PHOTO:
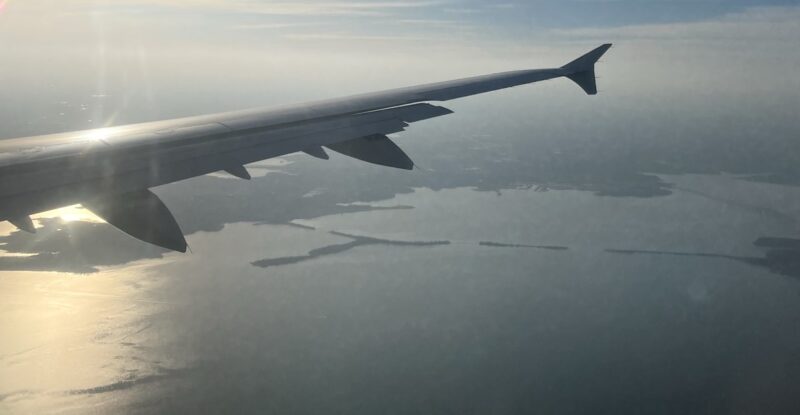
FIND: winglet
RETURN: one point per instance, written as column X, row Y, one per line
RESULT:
column 581, row 70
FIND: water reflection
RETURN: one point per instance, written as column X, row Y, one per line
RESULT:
column 131, row 380
column 73, row 246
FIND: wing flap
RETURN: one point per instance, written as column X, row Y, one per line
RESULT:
column 419, row 112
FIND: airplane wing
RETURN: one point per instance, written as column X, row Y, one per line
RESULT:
column 111, row 170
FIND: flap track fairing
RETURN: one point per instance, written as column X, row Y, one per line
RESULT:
column 317, row 152
column 239, row 171
column 375, row 149
column 140, row 214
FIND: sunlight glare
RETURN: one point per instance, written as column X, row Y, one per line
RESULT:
column 75, row 213
column 99, row 135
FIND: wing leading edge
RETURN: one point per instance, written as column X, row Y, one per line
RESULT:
column 108, row 168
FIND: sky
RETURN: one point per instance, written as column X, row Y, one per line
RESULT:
column 235, row 54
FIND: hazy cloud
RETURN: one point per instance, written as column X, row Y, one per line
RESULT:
column 318, row 8
column 762, row 24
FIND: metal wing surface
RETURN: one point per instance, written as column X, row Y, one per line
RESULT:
column 111, row 170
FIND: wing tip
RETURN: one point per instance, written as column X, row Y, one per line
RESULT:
column 581, row 70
